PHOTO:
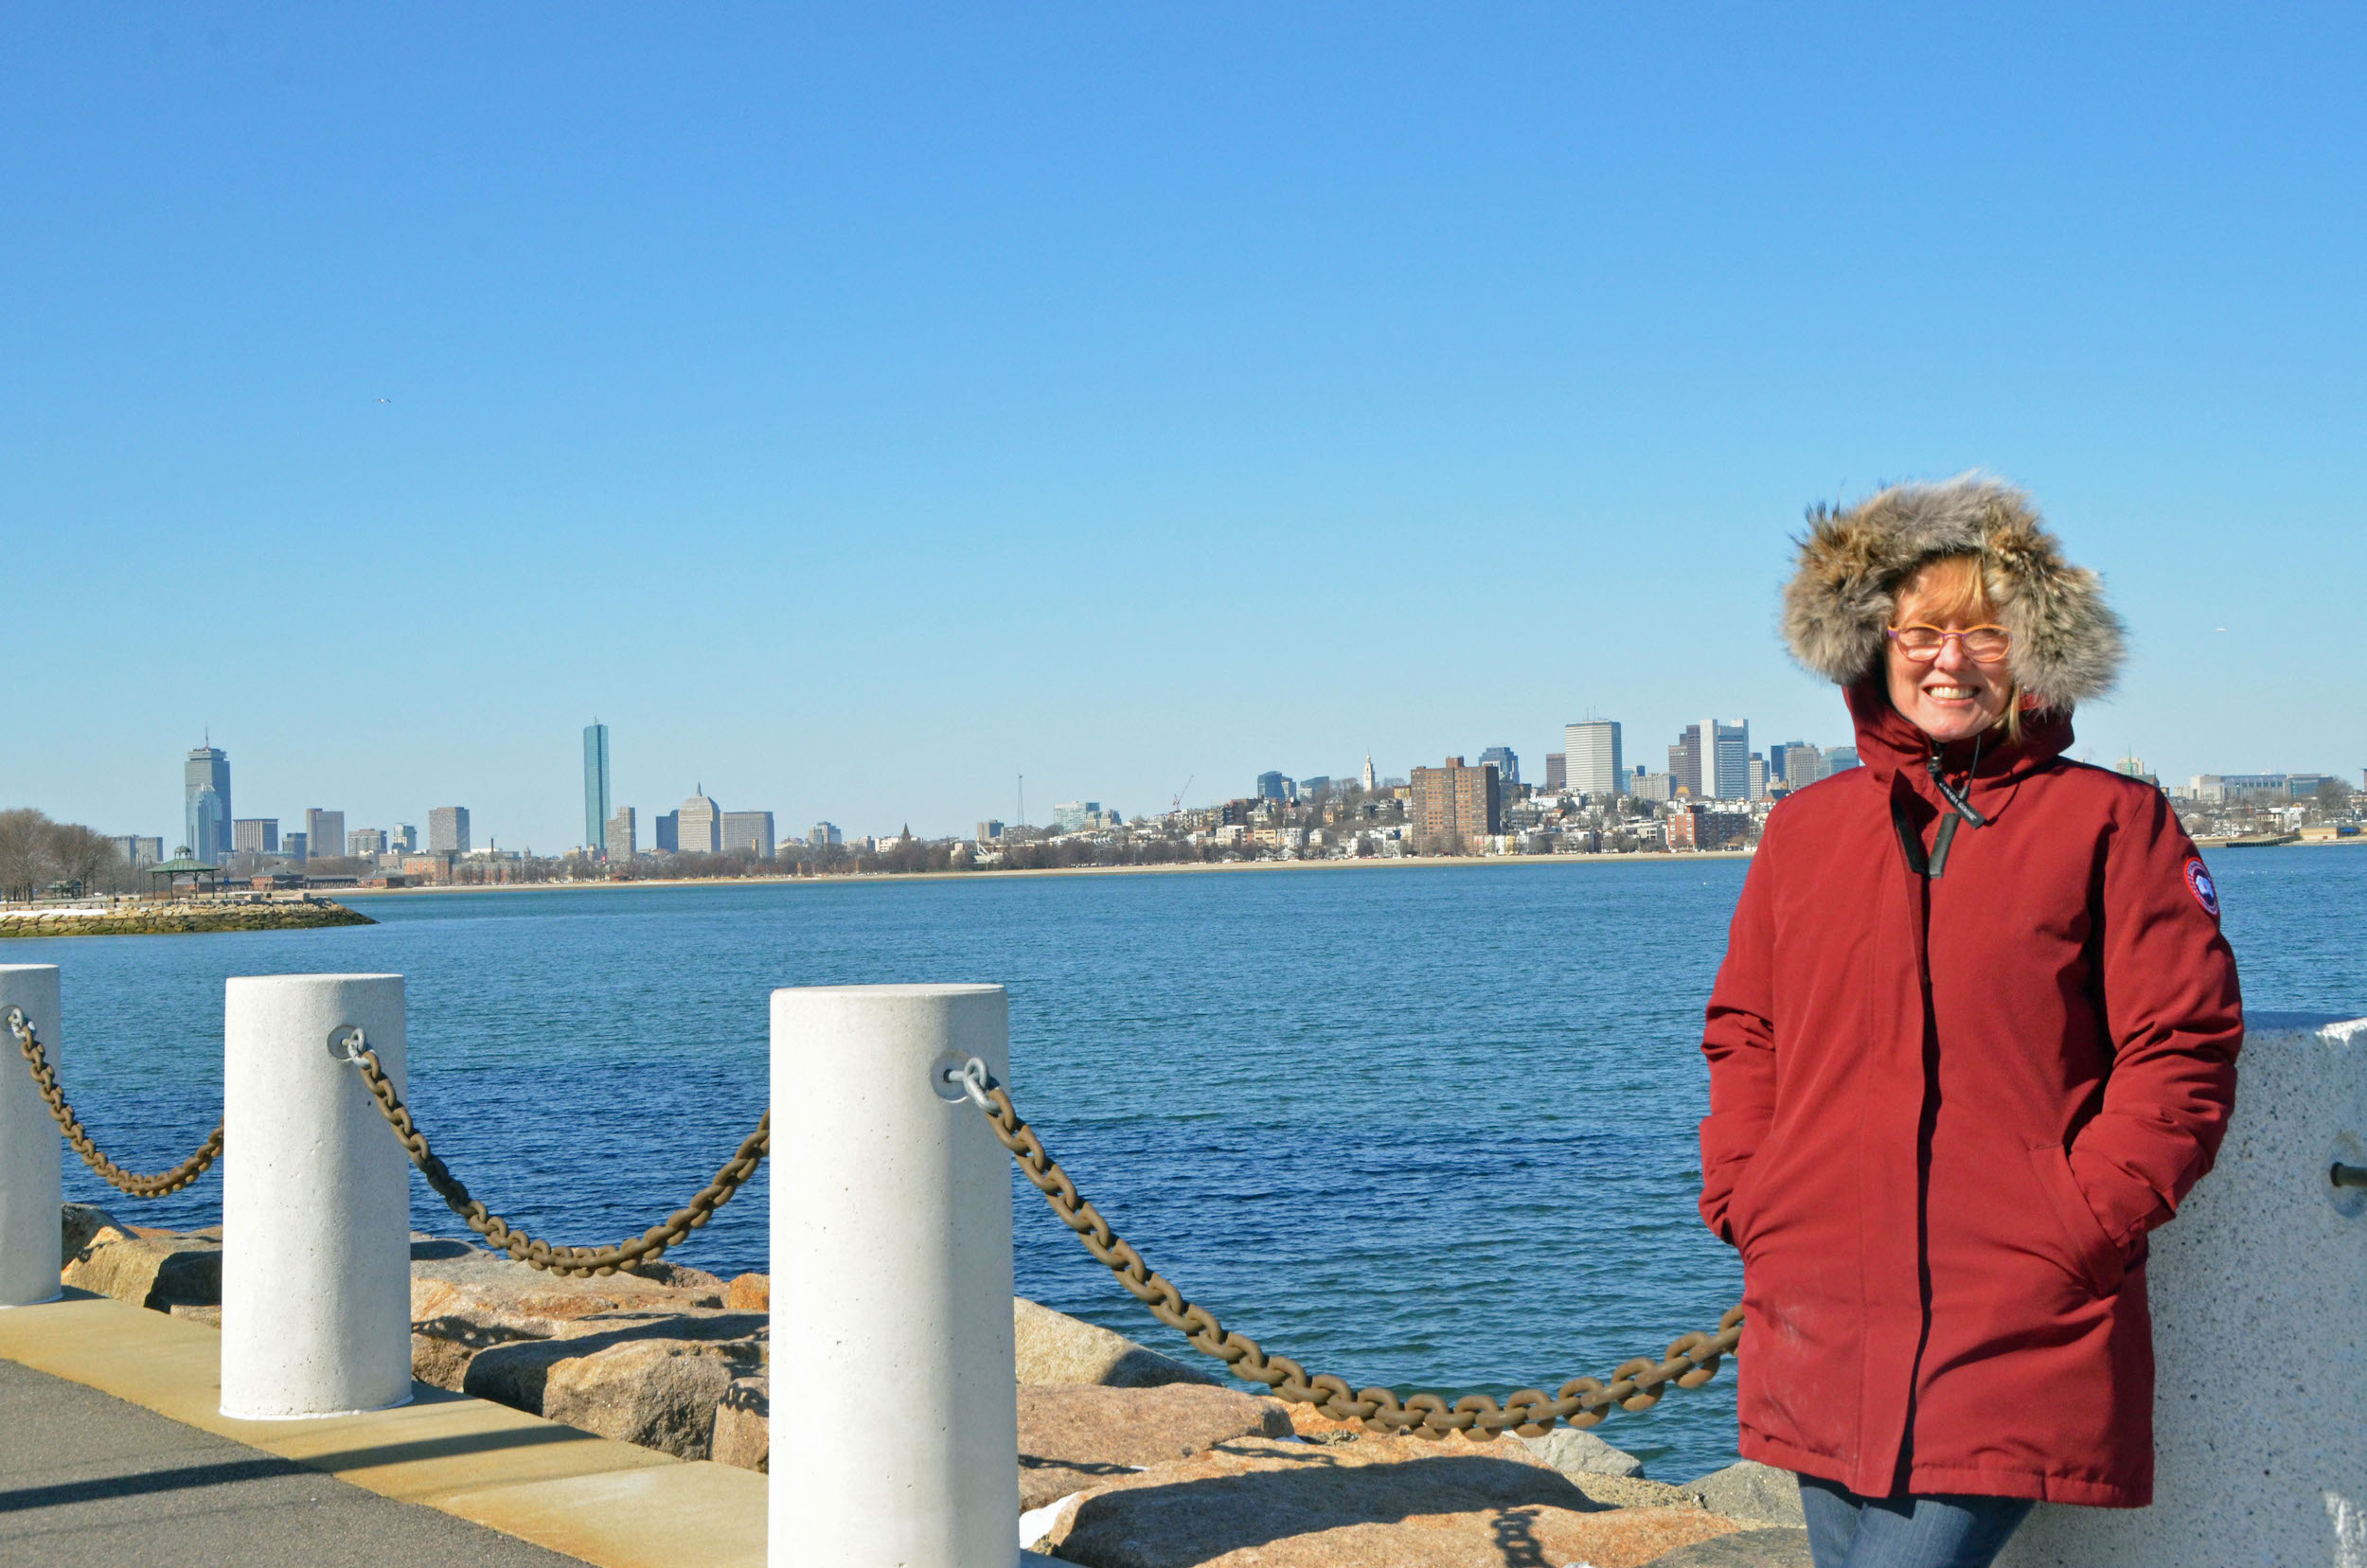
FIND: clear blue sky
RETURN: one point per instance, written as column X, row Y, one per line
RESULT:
column 857, row 407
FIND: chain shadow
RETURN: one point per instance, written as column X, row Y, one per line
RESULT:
column 1514, row 1530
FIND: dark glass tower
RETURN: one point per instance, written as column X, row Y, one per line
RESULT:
column 596, row 803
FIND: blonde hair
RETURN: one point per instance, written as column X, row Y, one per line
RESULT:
column 1953, row 587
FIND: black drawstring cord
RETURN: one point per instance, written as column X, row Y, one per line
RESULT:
column 1960, row 799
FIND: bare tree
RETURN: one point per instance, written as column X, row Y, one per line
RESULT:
column 83, row 855
column 24, row 857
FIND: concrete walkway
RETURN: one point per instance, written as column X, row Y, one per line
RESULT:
column 86, row 1478
column 444, row 1462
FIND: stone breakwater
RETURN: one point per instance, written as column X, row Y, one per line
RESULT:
column 1127, row 1458
column 182, row 915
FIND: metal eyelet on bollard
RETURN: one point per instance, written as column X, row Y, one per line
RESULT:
column 2349, row 1175
column 972, row 1078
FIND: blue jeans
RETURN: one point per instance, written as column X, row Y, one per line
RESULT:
column 1849, row 1531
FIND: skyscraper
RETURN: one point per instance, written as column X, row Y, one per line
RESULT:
column 748, row 833
column 1684, row 763
column 1803, row 764
column 324, row 832
column 1557, row 771
column 623, row 834
column 597, row 811
column 448, row 830
column 205, row 802
column 1725, row 760
column 699, row 824
column 665, row 826
column 1507, row 763
column 255, row 835
column 1593, row 762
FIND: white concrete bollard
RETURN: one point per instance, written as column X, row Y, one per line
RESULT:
column 30, row 1190
column 895, row 1424
column 315, row 1202
column 2260, row 1432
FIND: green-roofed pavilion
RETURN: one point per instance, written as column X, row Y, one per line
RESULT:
column 182, row 866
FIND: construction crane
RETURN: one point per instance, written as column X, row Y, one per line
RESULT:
column 1177, row 804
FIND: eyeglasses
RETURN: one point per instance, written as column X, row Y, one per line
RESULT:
column 1981, row 644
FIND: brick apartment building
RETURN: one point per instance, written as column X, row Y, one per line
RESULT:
column 1456, row 804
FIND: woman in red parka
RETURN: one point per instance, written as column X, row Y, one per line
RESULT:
column 1973, row 1038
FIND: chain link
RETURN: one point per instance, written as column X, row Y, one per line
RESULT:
column 1692, row 1358
column 579, row 1261
column 46, row 1079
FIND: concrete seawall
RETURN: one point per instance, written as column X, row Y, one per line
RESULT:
column 2260, row 1429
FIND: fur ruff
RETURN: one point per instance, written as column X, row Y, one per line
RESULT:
column 2066, row 642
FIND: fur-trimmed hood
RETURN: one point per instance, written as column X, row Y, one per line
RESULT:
column 2066, row 640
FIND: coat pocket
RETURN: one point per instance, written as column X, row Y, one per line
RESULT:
column 1742, row 1205
column 2094, row 1255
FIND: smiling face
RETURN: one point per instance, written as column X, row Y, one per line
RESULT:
column 1954, row 696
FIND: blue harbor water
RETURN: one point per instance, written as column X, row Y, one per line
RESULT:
column 1428, row 1126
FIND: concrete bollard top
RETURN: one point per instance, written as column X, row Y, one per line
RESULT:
column 952, row 987
column 304, row 979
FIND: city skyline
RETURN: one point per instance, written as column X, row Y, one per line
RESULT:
column 1744, row 774
column 1453, row 808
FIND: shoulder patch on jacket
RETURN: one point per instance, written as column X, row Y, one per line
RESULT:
column 2198, row 883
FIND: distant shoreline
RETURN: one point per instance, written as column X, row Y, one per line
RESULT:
column 1184, row 868
column 1187, row 869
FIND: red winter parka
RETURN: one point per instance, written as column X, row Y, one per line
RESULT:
column 1946, row 1108
column 1961, row 1069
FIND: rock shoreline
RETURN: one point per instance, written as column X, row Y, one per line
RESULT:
column 1127, row 1458
column 184, row 916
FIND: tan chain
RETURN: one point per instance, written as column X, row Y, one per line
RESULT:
column 579, row 1261
column 45, row 1078
column 1692, row 1358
